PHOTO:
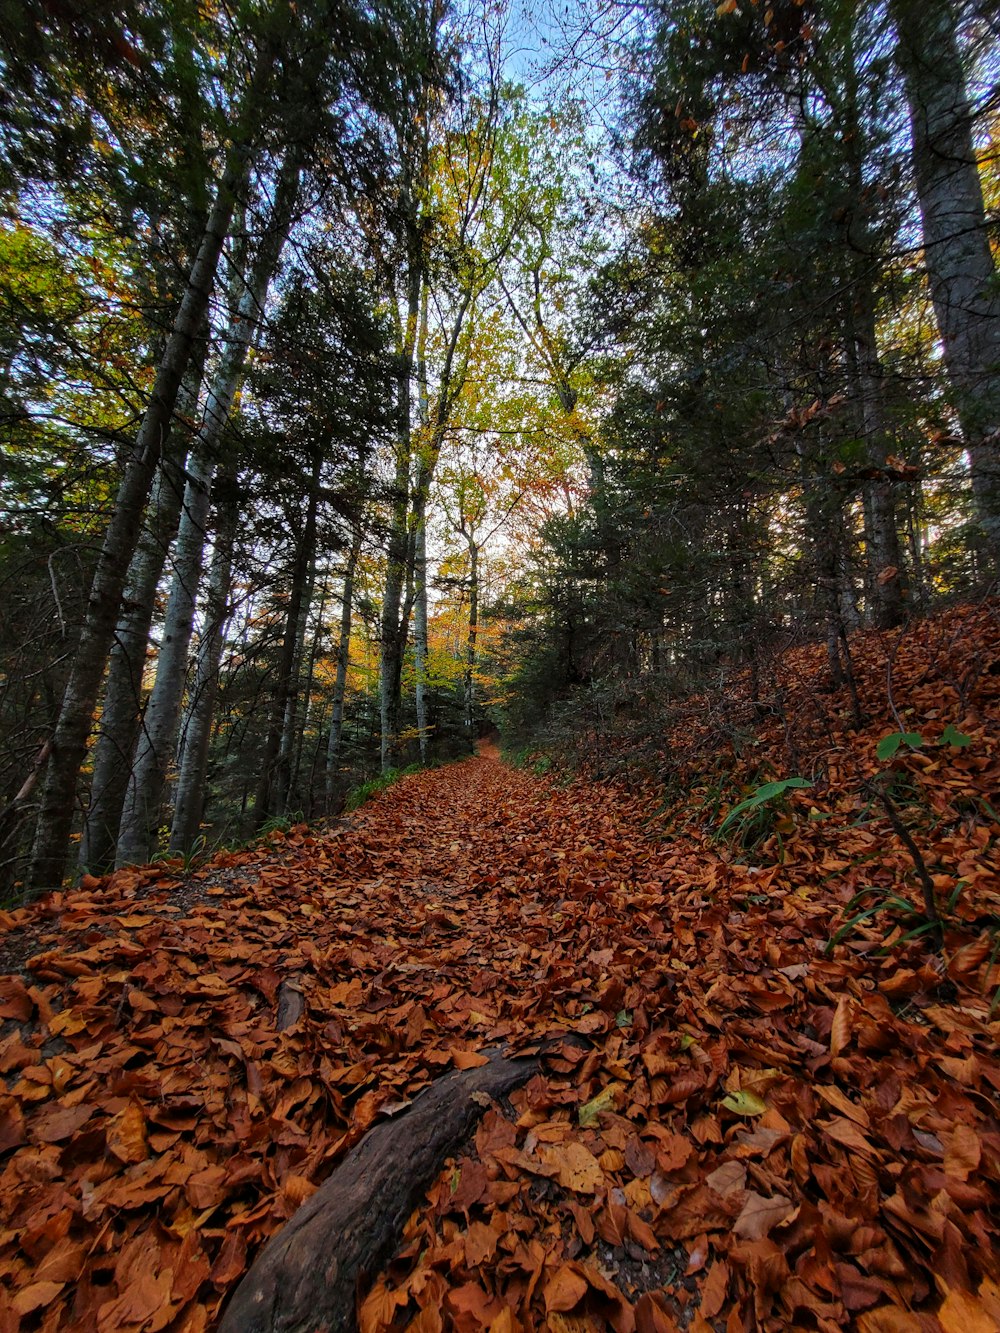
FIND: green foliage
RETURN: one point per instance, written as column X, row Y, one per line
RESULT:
column 753, row 820
column 898, row 910
column 357, row 796
column 889, row 745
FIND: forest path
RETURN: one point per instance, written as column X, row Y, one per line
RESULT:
column 187, row 1058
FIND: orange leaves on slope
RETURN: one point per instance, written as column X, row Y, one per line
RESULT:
column 759, row 1134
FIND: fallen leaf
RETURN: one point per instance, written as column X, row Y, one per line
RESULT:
column 565, row 1289
column 576, row 1167
column 761, row 1215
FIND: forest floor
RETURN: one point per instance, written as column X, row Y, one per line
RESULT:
column 759, row 1132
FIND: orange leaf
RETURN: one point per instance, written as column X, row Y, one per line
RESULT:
column 650, row 1317
column 576, row 1167
column 126, row 1135
column 840, row 1031
column 467, row 1059
column 962, row 1312
column 963, row 1151
column 564, row 1289
column 760, row 1215
column 35, row 1296
column 714, row 1289
column 889, row 1319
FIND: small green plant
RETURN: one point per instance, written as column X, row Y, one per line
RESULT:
column 883, row 901
column 885, row 789
column 357, row 796
column 754, row 819
column 279, row 823
column 528, row 756
column 888, row 746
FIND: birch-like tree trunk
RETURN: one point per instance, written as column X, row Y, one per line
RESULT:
column 290, row 722
column 343, row 664
column 189, row 802
column 963, row 277
column 469, row 682
column 158, row 734
column 270, row 788
column 886, row 580
column 120, row 711
column 301, row 718
column 420, row 549
column 76, row 713
column 420, row 632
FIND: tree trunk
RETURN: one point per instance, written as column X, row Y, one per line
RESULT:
column 69, row 740
column 303, row 721
column 158, row 735
column 957, row 252
column 886, row 579
column 314, row 1271
column 420, row 631
column 291, row 721
column 269, row 788
column 886, row 574
column 393, row 626
column 420, row 549
column 343, row 663
column 190, row 799
column 469, row 683
column 120, row 712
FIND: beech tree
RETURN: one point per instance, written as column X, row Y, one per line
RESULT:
column 957, row 251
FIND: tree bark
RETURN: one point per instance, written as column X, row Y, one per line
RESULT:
column 319, row 1266
column 393, row 626
column 957, row 254
column 189, row 803
column 69, row 739
column 343, row 663
column 291, row 722
column 120, row 712
column 420, row 631
column 469, row 683
column 269, row 788
column 158, row 735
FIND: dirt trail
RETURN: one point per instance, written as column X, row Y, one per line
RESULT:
column 774, row 1131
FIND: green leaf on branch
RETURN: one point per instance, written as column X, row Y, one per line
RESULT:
column 888, row 745
column 768, row 791
column 950, row 736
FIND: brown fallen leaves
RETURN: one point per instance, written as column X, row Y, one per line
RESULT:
column 760, row 1135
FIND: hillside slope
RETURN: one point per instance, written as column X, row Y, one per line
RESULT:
column 762, row 1132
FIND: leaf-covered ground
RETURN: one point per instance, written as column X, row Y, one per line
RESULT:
column 762, row 1134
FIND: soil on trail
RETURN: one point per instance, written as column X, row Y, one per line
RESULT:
column 760, row 1134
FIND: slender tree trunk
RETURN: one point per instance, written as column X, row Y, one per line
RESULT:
column 420, row 631
column 291, row 721
column 69, row 740
column 158, row 735
column 420, row 549
column 303, row 722
column 886, row 580
column 120, row 712
column 469, row 684
column 957, row 254
column 190, row 799
column 269, row 788
column 343, row 663
column 9, row 819
column 393, row 626
column 886, row 574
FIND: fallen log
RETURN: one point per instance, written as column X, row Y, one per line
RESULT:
column 311, row 1276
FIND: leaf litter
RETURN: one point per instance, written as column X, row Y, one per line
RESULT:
column 762, row 1132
